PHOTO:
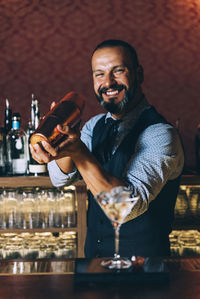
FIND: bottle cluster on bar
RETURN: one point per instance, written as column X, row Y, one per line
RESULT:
column 15, row 157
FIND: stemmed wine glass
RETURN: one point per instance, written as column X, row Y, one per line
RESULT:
column 117, row 205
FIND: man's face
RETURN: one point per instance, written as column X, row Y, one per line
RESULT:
column 114, row 78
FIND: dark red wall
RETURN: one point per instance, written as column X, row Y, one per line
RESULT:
column 45, row 49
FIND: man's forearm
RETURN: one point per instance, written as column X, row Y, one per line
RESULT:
column 94, row 175
column 65, row 164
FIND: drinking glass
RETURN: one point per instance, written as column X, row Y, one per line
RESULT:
column 29, row 208
column 10, row 207
column 188, row 241
column 66, row 208
column 67, row 247
column 42, row 196
column 51, row 206
column 2, row 209
column 117, row 205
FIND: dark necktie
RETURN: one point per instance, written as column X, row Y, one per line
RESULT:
column 110, row 134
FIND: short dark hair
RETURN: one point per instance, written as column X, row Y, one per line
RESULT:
column 119, row 43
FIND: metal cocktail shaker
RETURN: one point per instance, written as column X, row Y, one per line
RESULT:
column 66, row 112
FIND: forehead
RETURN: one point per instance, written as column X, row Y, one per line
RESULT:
column 110, row 56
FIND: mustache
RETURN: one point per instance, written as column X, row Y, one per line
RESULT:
column 118, row 87
column 111, row 106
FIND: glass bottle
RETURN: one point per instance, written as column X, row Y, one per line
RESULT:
column 34, row 168
column 37, row 114
column 17, row 148
column 7, row 128
column 7, row 118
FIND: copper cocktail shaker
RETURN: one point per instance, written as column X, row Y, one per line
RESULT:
column 66, row 112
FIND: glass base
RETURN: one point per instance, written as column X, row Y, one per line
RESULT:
column 116, row 263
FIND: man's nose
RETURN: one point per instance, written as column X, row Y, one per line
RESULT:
column 109, row 80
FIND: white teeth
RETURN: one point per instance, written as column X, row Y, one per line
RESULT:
column 111, row 93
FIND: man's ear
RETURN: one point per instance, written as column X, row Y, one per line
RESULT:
column 140, row 74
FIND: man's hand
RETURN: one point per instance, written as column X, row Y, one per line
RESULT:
column 71, row 144
column 45, row 153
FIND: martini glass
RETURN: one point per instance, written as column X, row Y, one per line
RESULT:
column 117, row 205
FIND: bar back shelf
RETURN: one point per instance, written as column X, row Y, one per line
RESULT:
column 44, row 181
column 187, row 210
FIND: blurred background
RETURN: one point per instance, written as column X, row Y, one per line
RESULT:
column 46, row 46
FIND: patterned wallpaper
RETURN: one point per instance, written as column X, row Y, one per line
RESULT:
column 45, row 49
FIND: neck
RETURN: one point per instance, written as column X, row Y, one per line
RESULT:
column 131, row 105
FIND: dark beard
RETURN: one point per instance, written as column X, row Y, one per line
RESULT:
column 111, row 106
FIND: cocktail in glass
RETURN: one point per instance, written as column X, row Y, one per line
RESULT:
column 117, row 205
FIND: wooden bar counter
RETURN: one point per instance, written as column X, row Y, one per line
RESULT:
column 55, row 279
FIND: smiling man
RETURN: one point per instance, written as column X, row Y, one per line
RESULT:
column 143, row 153
column 115, row 76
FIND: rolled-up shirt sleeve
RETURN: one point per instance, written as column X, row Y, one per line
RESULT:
column 158, row 157
column 59, row 178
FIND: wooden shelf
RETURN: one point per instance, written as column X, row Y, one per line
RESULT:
column 25, row 181
column 190, row 179
column 186, row 227
column 38, row 230
column 44, row 181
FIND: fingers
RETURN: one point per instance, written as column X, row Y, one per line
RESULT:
column 64, row 130
column 71, row 133
column 39, row 154
column 44, row 152
column 50, row 150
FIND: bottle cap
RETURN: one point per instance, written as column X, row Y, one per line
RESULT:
column 16, row 116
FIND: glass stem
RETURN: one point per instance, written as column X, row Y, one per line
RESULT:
column 117, row 228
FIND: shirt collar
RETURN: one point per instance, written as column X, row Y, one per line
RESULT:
column 131, row 117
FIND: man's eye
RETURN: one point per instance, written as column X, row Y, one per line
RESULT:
column 99, row 75
column 118, row 71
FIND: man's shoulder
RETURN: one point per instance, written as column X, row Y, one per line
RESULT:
column 90, row 124
column 93, row 120
column 160, row 133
